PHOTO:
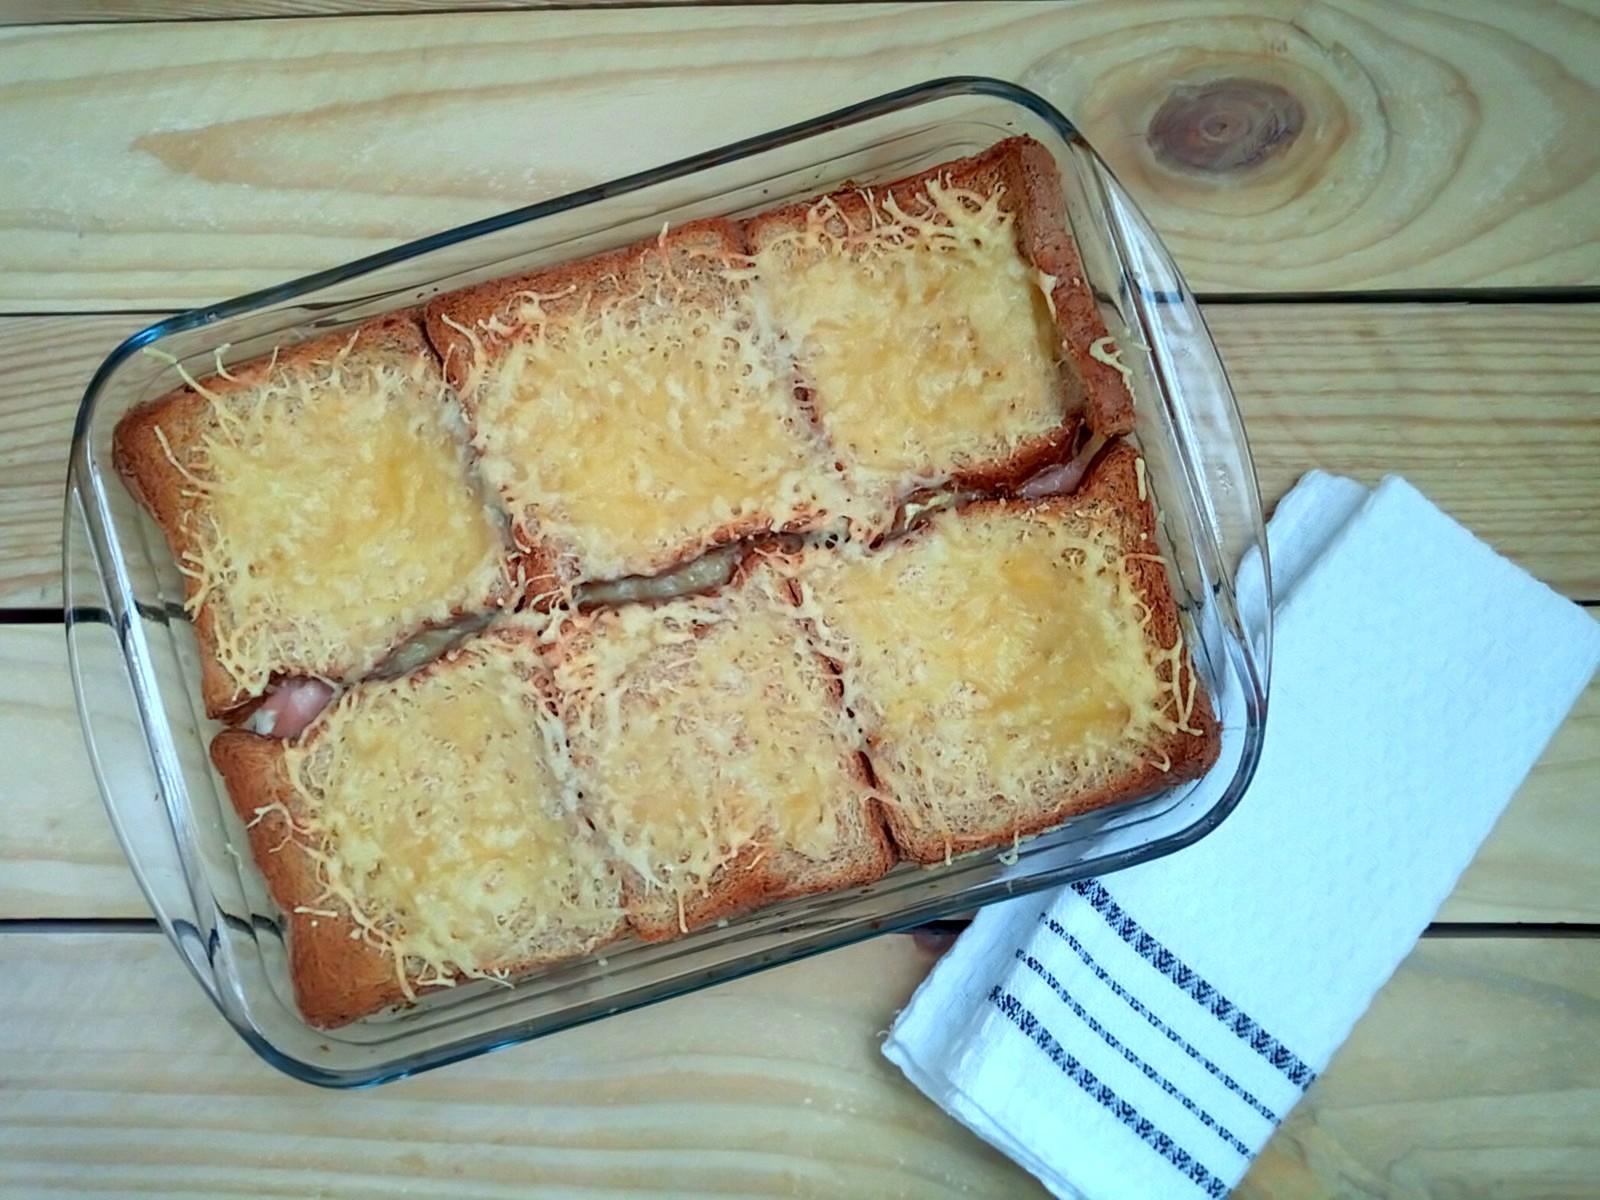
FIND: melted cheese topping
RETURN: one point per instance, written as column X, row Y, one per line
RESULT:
column 927, row 340
column 997, row 653
column 632, row 426
column 701, row 729
column 1105, row 350
column 333, row 514
column 440, row 814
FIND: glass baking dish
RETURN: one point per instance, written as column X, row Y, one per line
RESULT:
column 133, row 653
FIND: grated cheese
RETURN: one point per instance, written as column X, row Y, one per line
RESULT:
column 440, row 812
column 629, row 420
column 701, row 728
column 928, row 341
column 997, row 653
column 1105, row 350
column 332, row 514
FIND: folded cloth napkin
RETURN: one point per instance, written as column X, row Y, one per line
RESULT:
column 1143, row 1034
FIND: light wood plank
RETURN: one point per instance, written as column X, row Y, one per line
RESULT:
column 58, row 12
column 1474, row 1073
column 48, row 363
column 1492, row 410
column 1286, row 146
column 59, row 858
column 58, row 854
column 770, row 1086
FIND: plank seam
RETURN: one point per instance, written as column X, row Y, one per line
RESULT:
column 443, row 9
column 1510, row 297
column 945, row 928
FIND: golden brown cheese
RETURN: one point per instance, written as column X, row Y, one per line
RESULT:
column 440, row 810
column 636, row 428
column 337, row 516
column 927, row 341
column 994, row 653
column 701, row 728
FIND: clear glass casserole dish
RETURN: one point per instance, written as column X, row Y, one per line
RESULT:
column 134, row 658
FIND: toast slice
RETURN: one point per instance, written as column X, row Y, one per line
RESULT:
column 715, row 756
column 320, row 505
column 424, row 830
column 941, row 324
column 634, row 409
column 1014, row 663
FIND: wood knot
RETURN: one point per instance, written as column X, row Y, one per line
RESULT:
column 1225, row 125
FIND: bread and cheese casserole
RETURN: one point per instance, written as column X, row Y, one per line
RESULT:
column 890, row 413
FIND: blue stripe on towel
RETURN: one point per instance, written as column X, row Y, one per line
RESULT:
column 1145, row 1069
column 1188, row 980
column 1172, row 1035
column 1141, row 1126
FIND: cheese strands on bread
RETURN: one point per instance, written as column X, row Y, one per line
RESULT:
column 1014, row 662
column 935, row 322
column 715, row 758
column 635, row 409
column 319, row 505
column 424, row 830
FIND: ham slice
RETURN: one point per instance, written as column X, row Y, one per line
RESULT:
column 290, row 707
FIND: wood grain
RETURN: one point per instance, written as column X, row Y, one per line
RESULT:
column 48, row 362
column 770, row 1086
column 1475, row 1073
column 59, row 12
column 1438, row 144
column 59, row 858
column 1492, row 410
column 58, row 854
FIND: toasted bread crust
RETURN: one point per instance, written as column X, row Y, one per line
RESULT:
column 337, row 975
column 1046, row 243
column 182, row 416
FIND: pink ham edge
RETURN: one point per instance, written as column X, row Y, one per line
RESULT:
column 291, row 706
column 1064, row 478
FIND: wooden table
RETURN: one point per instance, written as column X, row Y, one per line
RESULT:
column 1393, row 214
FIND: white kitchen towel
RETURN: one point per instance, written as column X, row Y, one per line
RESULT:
column 1143, row 1034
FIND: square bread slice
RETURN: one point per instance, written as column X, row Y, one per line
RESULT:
column 941, row 324
column 634, row 409
column 320, row 504
column 424, row 830
column 715, row 757
column 1015, row 662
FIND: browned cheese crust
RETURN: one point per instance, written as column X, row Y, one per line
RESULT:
column 765, row 871
column 1093, row 392
column 338, row 975
column 183, row 417
column 490, row 311
column 1110, row 493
